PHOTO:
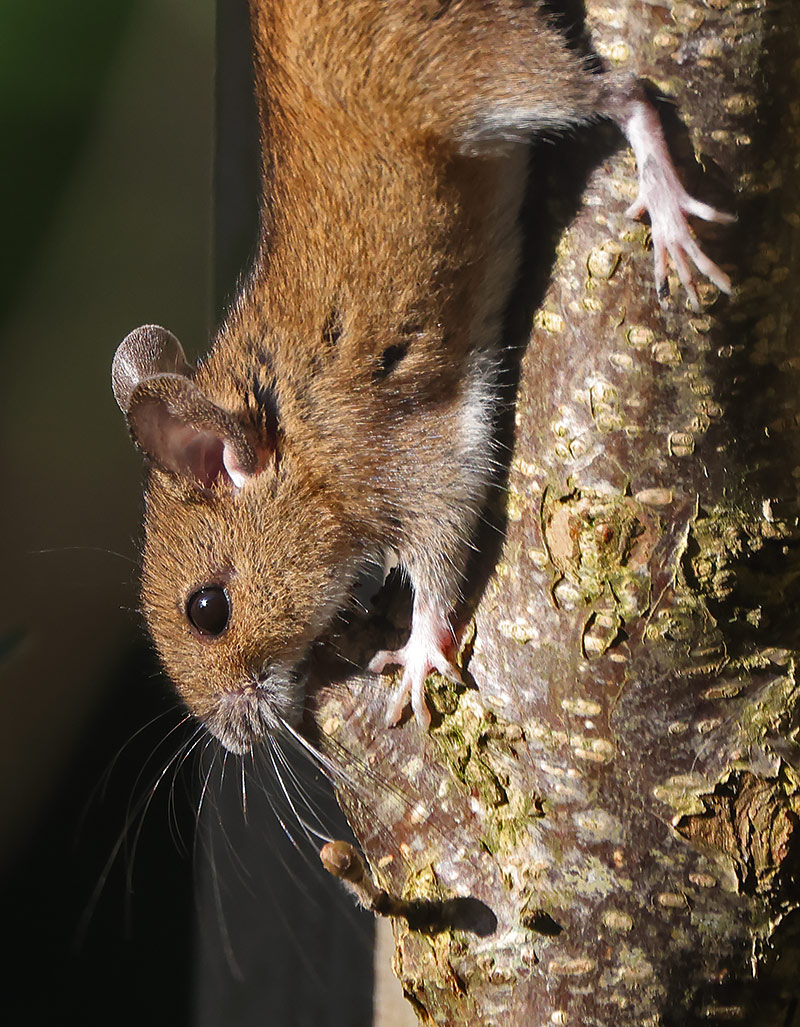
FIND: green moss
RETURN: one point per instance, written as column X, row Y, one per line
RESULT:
column 769, row 711
column 479, row 747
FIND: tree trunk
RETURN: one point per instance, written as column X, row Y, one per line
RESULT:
column 617, row 791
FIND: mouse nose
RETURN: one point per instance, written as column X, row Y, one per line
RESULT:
column 247, row 687
column 267, row 693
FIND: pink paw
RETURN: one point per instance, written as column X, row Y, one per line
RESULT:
column 663, row 197
column 418, row 659
column 666, row 201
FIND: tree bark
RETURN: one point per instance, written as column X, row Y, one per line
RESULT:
column 616, row 793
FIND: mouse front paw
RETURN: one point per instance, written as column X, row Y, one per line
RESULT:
column 428, row 648
column 417, row 665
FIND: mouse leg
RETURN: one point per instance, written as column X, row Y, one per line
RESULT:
column 430, row 647
column 515, row 76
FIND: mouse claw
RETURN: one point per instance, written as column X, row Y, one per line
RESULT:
column 412, row 688
column 637, row 209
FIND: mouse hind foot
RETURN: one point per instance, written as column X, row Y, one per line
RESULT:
column 668, row 204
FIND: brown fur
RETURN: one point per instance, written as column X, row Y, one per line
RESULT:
column 360, row 356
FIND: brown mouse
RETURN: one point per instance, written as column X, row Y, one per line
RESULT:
column 347, row 407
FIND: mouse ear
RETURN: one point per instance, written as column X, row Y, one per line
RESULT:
column 184, row 432
column 171, row 420
column 144, row 353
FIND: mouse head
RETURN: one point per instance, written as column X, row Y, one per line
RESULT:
column 246, row 557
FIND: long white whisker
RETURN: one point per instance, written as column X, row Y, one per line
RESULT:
column 177, row 765
column 244, row 786
column 227, row 945
column 135, row 813
column 300, row 820
column 312, row 833
column 342, row 778
column 99, row 791
column 207, row 778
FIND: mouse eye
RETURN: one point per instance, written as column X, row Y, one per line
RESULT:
column 209, row 610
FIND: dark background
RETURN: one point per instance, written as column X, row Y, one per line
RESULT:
column 115, row 907
column 107, row 113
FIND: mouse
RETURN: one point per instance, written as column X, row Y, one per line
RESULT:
column 346, row 411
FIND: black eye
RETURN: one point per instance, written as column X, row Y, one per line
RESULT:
column 209, row 610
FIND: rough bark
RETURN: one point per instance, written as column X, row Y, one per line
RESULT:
column 617, row 790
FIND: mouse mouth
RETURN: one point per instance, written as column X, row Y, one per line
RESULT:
column 260, row 708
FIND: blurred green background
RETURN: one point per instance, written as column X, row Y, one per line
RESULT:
column 107, row 116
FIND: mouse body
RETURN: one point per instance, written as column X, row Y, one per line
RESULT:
column 348, row 405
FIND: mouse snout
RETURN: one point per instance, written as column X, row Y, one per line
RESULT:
column 254, row 707
column 243, row 717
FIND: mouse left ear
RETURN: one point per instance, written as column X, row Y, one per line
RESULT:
column 171, row 420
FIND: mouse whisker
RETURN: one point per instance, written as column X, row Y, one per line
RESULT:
column 314, row 834
column 127, row 840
